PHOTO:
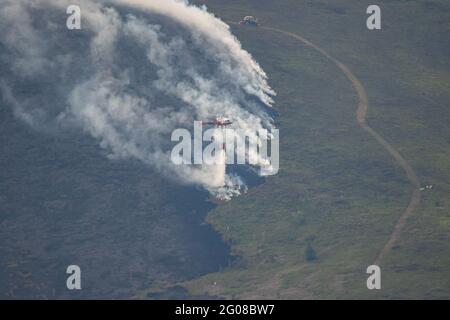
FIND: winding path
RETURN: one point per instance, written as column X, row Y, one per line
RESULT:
column 361, row 112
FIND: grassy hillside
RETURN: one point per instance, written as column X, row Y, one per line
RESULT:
column 312, row 230
column 63, row 202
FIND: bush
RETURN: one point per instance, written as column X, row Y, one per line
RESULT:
column 310, row 253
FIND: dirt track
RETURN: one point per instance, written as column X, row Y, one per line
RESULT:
column 363, row 106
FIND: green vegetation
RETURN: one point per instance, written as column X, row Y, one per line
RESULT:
column 338, row 191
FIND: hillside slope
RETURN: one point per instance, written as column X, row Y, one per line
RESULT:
column 338, row 191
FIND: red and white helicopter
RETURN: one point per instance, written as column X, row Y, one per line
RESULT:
column 218, row 122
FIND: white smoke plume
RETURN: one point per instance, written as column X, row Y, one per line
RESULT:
column 135, row 71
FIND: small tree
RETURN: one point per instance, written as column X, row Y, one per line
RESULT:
column 310, row 253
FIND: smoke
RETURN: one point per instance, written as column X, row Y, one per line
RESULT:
column 135, row 71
